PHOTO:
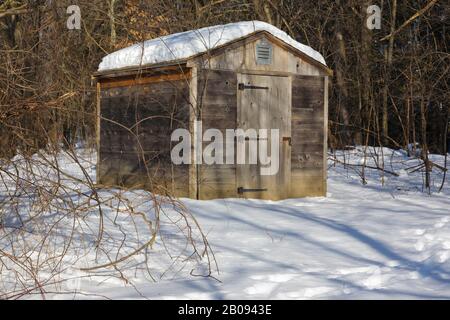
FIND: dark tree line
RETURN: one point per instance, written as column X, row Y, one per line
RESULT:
column 390, row 85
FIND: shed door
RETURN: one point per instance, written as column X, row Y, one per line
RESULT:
column 264, row 102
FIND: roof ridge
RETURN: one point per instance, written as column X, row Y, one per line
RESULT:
column 187, row 44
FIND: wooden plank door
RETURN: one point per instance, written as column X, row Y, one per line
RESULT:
column 264, row 102
column 309, row 133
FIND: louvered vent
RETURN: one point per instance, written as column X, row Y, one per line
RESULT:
column 263, row 52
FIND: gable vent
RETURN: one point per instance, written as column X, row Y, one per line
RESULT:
column 263, row 52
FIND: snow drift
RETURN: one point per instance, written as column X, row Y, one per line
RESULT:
column 386, row 238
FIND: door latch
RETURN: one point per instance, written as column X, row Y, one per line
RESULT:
column 288, row 139
column 241, row 190
column 243, row 86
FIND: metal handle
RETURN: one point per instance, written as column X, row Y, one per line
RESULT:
column 289, row 139
column 242, row 86
column 241, row 190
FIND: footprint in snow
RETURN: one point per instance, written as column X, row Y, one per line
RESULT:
column 261, row 288
column 376, row 280
column 354, row 270
column 313, row 292
column 420, row 245
column 443, row 256
column 446, row 245
column 442, row 222
column 289, row 295
column 274, row 277
column 303, row 204
column 198, row 296
column 307, row 293
column 419, row 232
column 429, row 237
column 439, row 225
column 393, row 263
column 267, row 283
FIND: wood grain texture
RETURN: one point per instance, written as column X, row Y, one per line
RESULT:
column 193, row 115
column 217, row 100
column 138, row 109
column 240, row 57
column 98, row 128
column 309, row 119
column 325, row 136
column 135, row 129
column 266, row 109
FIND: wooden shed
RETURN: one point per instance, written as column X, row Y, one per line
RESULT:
column 257, row 80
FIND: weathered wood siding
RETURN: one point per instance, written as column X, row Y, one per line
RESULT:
column 268, row 108
column 134, row 137
column 308, row 122
column 241, row 57
column 217, row 105
column 307, row 162
column 139, row 115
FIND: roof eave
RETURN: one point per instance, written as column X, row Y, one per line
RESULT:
column 182, row 63
column 142, row 69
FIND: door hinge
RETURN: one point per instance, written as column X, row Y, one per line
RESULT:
column 243, row 86
column 241, row 190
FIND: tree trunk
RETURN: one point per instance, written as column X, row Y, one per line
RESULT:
column 423, row 128
column 388, row 64
column 340, row 69
column 365, row 60
column 112, row 22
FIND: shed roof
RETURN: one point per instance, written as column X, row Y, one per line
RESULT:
column 181, row 46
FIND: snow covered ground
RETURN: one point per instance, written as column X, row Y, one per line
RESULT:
column 361, row 241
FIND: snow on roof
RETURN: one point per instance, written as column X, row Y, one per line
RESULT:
column 183, row 45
